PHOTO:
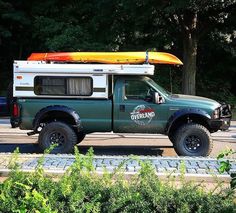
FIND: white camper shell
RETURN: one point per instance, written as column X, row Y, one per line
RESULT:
column 61, row 80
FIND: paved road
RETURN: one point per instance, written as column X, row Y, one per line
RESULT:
column 113, row 144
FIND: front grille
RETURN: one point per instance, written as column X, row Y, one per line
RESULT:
column 225, row 111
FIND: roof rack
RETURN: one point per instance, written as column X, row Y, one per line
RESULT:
column 55, row 68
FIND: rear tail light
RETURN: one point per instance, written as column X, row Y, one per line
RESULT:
column 16, row 110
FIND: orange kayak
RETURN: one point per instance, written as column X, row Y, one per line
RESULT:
column 108, row 57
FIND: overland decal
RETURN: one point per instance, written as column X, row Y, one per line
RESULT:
column 142, row 115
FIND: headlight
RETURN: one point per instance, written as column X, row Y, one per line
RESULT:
column 216, row 114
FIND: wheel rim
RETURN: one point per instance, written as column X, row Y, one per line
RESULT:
column 57, row 138
column 192, row 143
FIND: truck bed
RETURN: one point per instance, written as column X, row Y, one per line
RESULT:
column 96, row 115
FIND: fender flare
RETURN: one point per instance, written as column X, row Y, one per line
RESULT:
column 186, row 112
column 60, row 108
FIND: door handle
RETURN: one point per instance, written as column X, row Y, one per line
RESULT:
column 122, row 108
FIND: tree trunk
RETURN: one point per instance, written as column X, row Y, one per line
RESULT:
column 189, row 53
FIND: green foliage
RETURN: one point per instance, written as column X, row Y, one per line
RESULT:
column 225, row 165
column 83, row 190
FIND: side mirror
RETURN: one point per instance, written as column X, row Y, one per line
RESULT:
column 158, row 99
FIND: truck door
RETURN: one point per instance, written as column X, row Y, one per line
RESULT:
column 134, row 109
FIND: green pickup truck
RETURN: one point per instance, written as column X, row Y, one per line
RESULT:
column 64, row 102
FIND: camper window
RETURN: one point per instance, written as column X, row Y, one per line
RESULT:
column 68, row 86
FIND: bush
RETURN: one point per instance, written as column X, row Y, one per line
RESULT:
column 82, row 190
column 226, row 164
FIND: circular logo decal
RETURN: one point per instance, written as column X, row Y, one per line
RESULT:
column 142, row 115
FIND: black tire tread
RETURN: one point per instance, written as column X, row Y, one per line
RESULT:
column 69, row 144
column 183, row 129
column 80, row 137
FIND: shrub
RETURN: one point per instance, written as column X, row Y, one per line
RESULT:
column 225, row 165
column 82, row 190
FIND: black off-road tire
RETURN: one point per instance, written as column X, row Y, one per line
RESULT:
column 171, row 137
column 80, row 136
column 58, row 133
column 192, row 140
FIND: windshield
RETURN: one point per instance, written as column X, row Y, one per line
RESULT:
column 159, row 88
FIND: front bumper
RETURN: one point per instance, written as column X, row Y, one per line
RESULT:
column 225, row 124
column 225, row 116
column 220, row 124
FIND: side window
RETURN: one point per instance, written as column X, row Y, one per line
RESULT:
column 79, row 86
column 138, row 90
column 68, row 86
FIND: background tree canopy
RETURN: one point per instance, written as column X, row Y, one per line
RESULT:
column 200, row 32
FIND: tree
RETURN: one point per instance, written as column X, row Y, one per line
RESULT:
column 80, row 27
column 194, row 19
column 14, row 31
column 216, row 61
column 176, row 26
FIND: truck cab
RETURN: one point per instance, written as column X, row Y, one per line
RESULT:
column 62, row 102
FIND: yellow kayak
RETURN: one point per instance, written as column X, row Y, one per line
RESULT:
column 109, row 57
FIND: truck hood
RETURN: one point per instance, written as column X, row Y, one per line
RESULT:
column 195, row 101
